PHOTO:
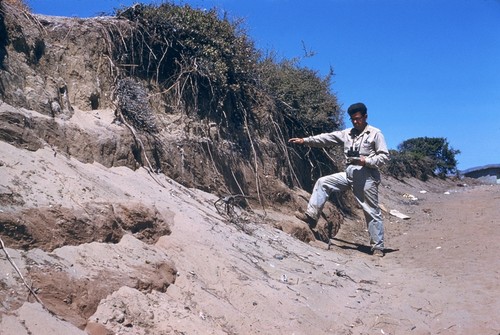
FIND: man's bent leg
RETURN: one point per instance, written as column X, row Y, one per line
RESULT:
column 322, row 189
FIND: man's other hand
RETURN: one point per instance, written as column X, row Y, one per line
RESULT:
column 356, row 160
column 296, row 140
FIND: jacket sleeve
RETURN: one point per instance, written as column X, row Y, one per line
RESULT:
column 380, row 155
column 325, row 140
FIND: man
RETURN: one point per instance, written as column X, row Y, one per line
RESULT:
column 365, row 150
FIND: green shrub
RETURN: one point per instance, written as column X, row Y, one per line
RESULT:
column 441, row 156
column 422, row 158
column 408, row 165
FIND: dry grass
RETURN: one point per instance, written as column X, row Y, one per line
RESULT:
column 19, row 4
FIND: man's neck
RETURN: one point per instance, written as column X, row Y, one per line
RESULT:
column 357, row 131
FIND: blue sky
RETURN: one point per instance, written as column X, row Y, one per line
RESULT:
column 423, row 67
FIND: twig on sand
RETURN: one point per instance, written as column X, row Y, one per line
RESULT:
column 229, row 202
column 30, row 288
column 343, row 274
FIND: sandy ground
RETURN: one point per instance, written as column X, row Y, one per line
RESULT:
column 440, row 274
column 443, row 275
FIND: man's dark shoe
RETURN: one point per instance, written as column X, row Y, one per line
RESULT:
column 306, row 218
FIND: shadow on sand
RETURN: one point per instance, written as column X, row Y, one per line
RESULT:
column 359, row 247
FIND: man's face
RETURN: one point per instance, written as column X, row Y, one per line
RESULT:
column 359, row 121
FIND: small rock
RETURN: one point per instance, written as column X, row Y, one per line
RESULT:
column 398, row 214
column 120, row 318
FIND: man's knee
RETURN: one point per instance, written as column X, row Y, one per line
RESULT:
column 322, row 180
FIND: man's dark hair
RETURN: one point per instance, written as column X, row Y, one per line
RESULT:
column 357, row 107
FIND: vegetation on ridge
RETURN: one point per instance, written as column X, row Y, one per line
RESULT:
column 211, row 67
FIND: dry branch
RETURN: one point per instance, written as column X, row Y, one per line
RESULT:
column 29, row 287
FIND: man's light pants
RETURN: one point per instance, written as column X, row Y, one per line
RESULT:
column 364, row 183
